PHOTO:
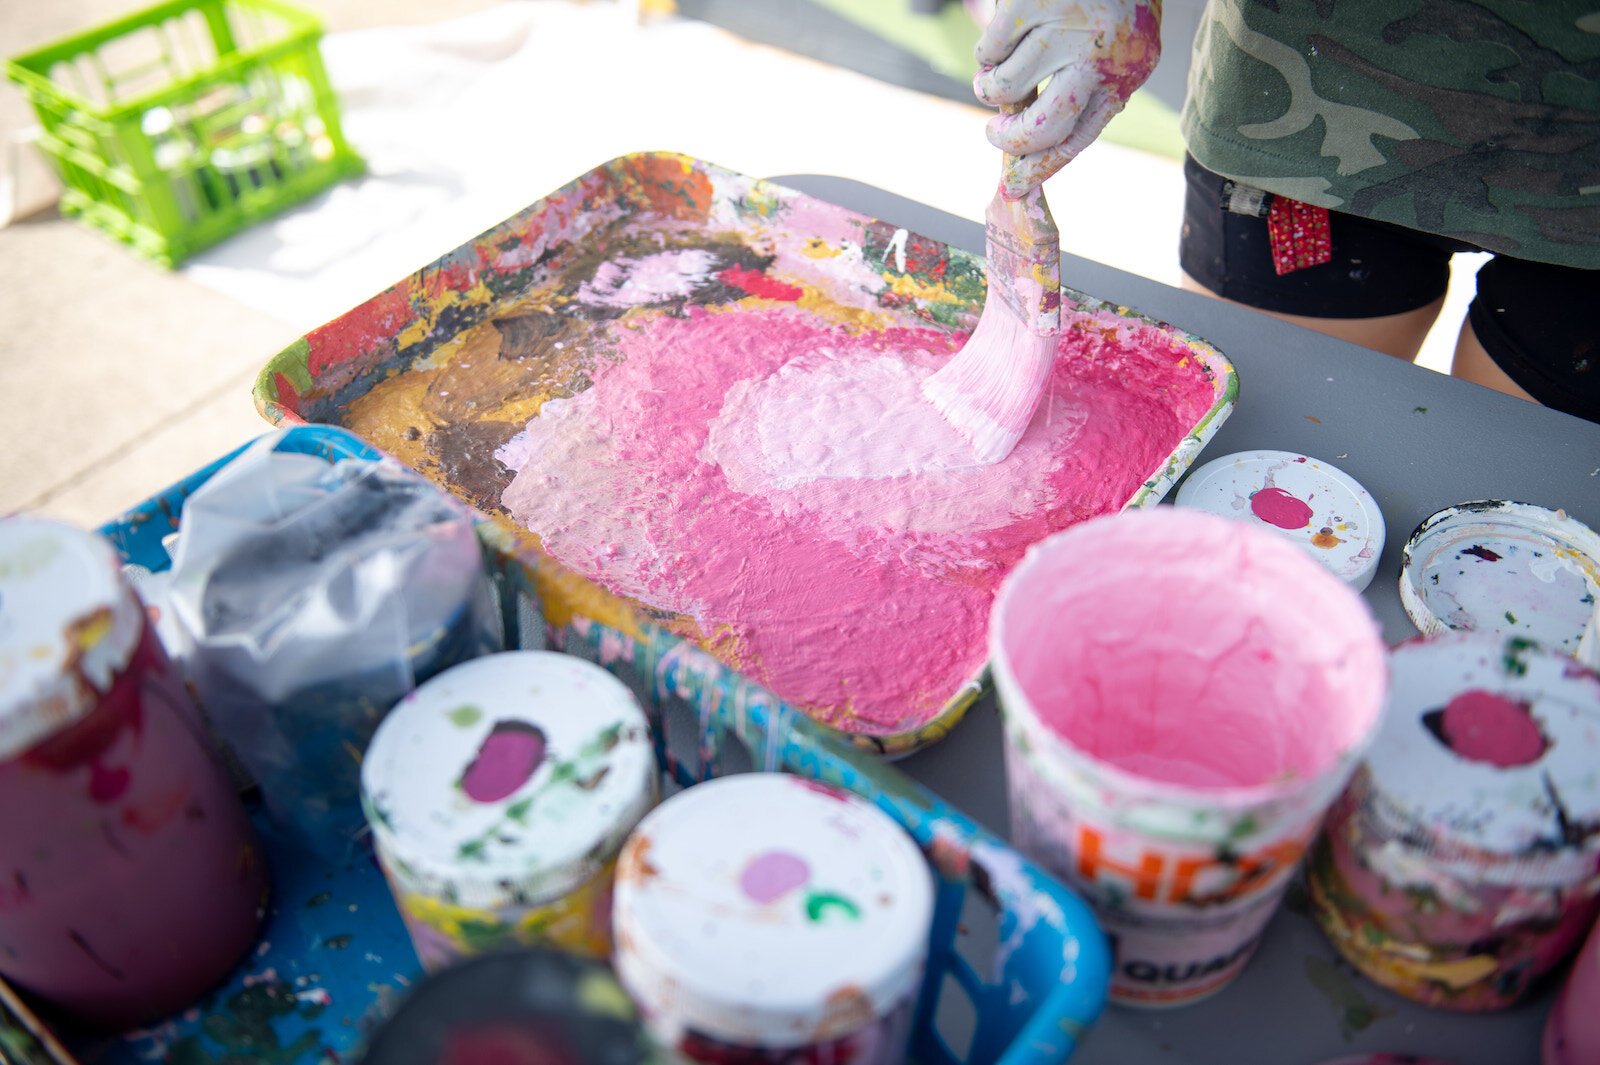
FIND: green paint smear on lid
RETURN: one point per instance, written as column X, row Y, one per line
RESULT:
column 818, row 903
column 465, row 716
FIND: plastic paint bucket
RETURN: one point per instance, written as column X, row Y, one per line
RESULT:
column 133, row 881
column 764, row 918
column 530, row 1007
column 1184, row 696
column 499, row 795
column 1463, row 862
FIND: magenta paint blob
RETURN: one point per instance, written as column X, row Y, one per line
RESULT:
column 1277, row 506
column 1484, row 726
column 508, row 757
column 772, row 875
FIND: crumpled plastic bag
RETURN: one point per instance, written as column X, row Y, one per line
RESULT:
column 308, row 597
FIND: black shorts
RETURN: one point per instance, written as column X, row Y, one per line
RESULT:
column 1540, row 323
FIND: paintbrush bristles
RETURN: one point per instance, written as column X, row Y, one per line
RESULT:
column 991, row 387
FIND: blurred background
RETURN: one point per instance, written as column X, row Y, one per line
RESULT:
column 117, row 375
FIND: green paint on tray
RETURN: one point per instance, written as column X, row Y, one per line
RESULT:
column 319, row 899
column 338, row 942
column 293, row 363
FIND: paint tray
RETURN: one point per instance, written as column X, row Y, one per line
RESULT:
column 1017, row 968
column 616, row 373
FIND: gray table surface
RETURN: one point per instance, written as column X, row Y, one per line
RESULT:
column 1418, row 441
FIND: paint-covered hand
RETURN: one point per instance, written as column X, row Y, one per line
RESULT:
column 1095, row 53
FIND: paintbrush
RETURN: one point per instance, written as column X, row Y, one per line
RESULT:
column 989, row 389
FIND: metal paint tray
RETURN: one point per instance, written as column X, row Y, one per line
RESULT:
column 1017, row 967
column 447, row 365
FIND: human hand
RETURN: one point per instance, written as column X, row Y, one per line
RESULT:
column 1095, row 53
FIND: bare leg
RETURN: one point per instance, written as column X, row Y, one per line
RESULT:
column 1400, row 335
column 1472, row 363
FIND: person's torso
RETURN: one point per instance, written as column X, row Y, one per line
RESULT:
column 1478, row 119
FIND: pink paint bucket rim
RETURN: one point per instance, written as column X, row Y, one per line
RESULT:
column 1064, row 755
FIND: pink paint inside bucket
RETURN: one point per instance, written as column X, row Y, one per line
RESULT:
column 1184, row 648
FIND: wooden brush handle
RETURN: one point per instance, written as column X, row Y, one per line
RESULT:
column 1023, row 243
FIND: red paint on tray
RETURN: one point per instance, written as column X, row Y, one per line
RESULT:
column 1479, row 551
column 1277, row 506
column 1483, row 726
column 506, row 760
column 288, row 396
column 757, row 283
column 361, row 331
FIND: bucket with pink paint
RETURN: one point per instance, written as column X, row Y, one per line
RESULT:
column 1184, row 696
column 1463, row 863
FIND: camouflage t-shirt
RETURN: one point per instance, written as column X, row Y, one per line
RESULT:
column 1476, row 119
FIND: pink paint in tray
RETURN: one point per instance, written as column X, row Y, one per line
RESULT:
column 702, row 393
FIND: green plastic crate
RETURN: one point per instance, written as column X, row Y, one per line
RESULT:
column 182, row 124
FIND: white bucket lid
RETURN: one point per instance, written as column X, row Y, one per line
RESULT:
column 454, row 811
column 767, row 910
column 1314, row 504
column 1535, row 822
column 69, row 624
column 1510, row 569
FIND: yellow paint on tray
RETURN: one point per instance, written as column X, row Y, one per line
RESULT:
column 855, row 319
column 909, row 287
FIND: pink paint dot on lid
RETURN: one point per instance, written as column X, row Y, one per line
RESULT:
column 772, row 875
column 1482, row 726
column 507, row 758
column 1275, row 506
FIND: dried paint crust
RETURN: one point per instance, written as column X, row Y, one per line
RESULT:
column 450, row 365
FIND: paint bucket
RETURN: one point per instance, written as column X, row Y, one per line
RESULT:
column 499, row 794
column 1183, row 697
column 1312, row 503
column 1511, row 569
column 766, row 918
column 1572, row 1031
column 1463, row 862
column 535, row 1007
column 132, row 879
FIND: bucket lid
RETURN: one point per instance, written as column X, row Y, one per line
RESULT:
column 508, row 779
column 1486, row 757
column 1509, row 569
column 68, row 624
column 1314, row 504
column 769, row 910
